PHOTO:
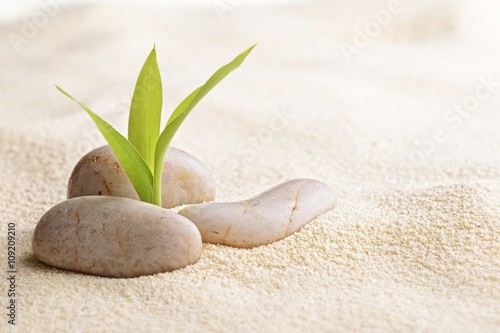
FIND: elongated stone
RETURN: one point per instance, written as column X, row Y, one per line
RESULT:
column 115, row 237
column 265, row 218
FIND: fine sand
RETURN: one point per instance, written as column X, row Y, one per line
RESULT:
column 406, row 132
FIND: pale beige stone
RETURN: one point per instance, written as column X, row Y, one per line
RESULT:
column 185, row 180
column 265, row 218
column 115, row 237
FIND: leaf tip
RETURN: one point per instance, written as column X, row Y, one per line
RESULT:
column 153, row 52
column 247, row 51
column 61, row 90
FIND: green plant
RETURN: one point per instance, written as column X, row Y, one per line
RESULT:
column 142, row 154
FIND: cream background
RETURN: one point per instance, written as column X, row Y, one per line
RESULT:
column 410, row 247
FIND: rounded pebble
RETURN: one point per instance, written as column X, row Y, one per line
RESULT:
column 115, row 237
column 185, row 180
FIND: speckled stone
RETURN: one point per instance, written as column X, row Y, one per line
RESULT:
column 185, row 180
column 115, row 237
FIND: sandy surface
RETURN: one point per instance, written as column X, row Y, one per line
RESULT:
column 405, row 130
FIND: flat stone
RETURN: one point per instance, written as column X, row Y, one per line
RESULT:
column 265, row 218
column 115, row 237
column 185, row 180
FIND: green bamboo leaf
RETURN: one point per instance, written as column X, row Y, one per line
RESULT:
column 218, row 76
column 145, row 110
column 134, row 165
column 181, row 112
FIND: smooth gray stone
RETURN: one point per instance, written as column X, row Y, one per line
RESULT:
column 265, row 218
column 115, row 237
column 185, row 180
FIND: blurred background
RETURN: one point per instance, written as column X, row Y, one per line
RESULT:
column 14, row 10
column 381, row 74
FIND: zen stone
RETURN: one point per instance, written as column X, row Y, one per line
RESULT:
column 265, row 218
column 185, row 180
column 115, row 237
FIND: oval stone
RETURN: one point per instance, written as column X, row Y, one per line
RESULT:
column 185, row 180
column 265, row 218
column 115, row 237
